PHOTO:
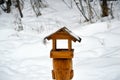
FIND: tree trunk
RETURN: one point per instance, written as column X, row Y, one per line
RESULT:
column 82, row 6
column 104, row 8
column 8, row 4
column 18, row 6
column 90, row 14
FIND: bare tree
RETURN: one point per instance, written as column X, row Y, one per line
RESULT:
column 90, row 13
column 36, row 6
column 81, row 11
column 19, row 7
column 67, row 3
column 82, row 8
column 2, row 2
column 18, row 23
column 104, row 6
column 111, row 11
column 18, row 14
column 8, row 4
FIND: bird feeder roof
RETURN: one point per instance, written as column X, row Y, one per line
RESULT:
column 64, row 33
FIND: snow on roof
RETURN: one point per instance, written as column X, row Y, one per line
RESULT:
column 72, row 34
column 64, row 29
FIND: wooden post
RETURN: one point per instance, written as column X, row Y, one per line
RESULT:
column 69, row 44
column 54, row 44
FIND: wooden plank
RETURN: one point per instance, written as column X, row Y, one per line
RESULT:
column 63, row 69
column 61, row 54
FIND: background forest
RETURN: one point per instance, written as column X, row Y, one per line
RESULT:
column 88, row 10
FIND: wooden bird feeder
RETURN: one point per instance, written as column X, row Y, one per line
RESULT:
column 62, row 58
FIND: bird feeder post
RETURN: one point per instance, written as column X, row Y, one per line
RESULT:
column 62, row 58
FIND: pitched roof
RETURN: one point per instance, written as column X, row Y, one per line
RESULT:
column 64, row 33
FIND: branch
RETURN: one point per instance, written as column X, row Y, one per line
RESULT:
column 81, row 11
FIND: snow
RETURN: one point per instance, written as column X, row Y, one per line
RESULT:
column 23, row 56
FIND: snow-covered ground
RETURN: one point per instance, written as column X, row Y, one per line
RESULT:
column 23, row 56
